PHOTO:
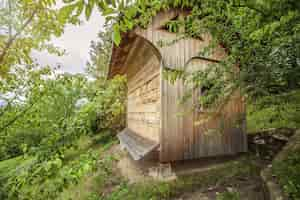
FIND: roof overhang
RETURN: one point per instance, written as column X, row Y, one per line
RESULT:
column 125, row 55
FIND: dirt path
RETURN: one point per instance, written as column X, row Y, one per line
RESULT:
column 211, row 179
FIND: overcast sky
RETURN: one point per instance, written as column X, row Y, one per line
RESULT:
column 76, row 41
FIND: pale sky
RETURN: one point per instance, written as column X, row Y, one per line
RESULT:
column 76, row 41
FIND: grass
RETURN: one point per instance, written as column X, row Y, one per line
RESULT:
column 96, row 179
column 288, row 173
column 229, row 195
column 106, row 184
column 7, row 166
column 280, row 111
column 78, row 161
column 167, row 190
column 10, row 167
column 274, row 112
column 85, row 143
column 287, row 168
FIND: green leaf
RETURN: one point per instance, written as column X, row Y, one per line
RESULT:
column 66, row 11
column 128, row 24
column 80, row 6
column 116, row 34
column 113, row 2
column 89, row 8
column 108, row 11
column 102, row 5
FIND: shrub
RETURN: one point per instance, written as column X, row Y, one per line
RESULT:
column 228, row 195
column 275, row 111
column 288, row 174
column 107, row 109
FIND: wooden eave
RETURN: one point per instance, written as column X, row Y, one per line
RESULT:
column 119, row 54
column 130, row 51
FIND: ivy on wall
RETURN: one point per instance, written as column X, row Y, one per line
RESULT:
column 261, row 38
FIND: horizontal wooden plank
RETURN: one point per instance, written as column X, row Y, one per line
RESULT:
column 151, row 118
column 144, row 108
column 146, row 130
column 137, row 146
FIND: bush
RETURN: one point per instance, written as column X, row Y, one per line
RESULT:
column 46, row 180
column 275, row 111
column 53, row 126
column 228, row 195
column 107, row 109
column 288, row 174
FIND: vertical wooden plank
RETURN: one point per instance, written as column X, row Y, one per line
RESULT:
column 176, row 59
column 162, row 114
column 179, row 137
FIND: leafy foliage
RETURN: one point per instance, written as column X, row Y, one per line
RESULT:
column 228, row 195
column 274, row 111
column 46, row 136
column 47, row 180
column 100, row 52
column 261, row 38
column 110, row 104
column 41, row 119
column 45, row 114
column 26, row 26
column 224, row 176
column 288, row 173
column 106, row 108
column 27, row 125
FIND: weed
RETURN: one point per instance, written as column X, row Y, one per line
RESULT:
column 229, row 195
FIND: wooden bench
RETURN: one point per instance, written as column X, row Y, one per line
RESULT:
column 137, row 146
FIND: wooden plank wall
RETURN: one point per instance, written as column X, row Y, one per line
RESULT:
column 188, row 134
column 177, row 54
column 143, row 104
column 222, row 133
column 180, row 137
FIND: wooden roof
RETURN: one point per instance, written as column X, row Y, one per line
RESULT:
column 119, row 53
column 133, row 49
column 141, row 42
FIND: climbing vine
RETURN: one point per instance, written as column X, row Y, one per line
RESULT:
column 261, row 38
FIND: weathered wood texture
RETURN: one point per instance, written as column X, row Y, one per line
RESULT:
column 189, row 134
column 153, row 109
column 137, row 146
column 174, row 54
column 143, row 104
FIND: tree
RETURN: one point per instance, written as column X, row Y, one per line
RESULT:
column 260, row 37
column 100, row 52
column 28, row 25
column 40, row 119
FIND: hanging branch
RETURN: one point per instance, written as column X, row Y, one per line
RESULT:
column 22, row 113
column 15, row 36
column 3, row 111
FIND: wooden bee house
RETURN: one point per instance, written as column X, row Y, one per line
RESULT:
column 153, row 123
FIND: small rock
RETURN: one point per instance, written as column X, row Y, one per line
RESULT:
column 259, row 141
column 280, row 137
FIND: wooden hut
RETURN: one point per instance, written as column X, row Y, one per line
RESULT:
column 153, row 122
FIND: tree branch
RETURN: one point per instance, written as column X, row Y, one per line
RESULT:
column 15, row 36
column 251, row 8
column 3, row 111
column 23, row 112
